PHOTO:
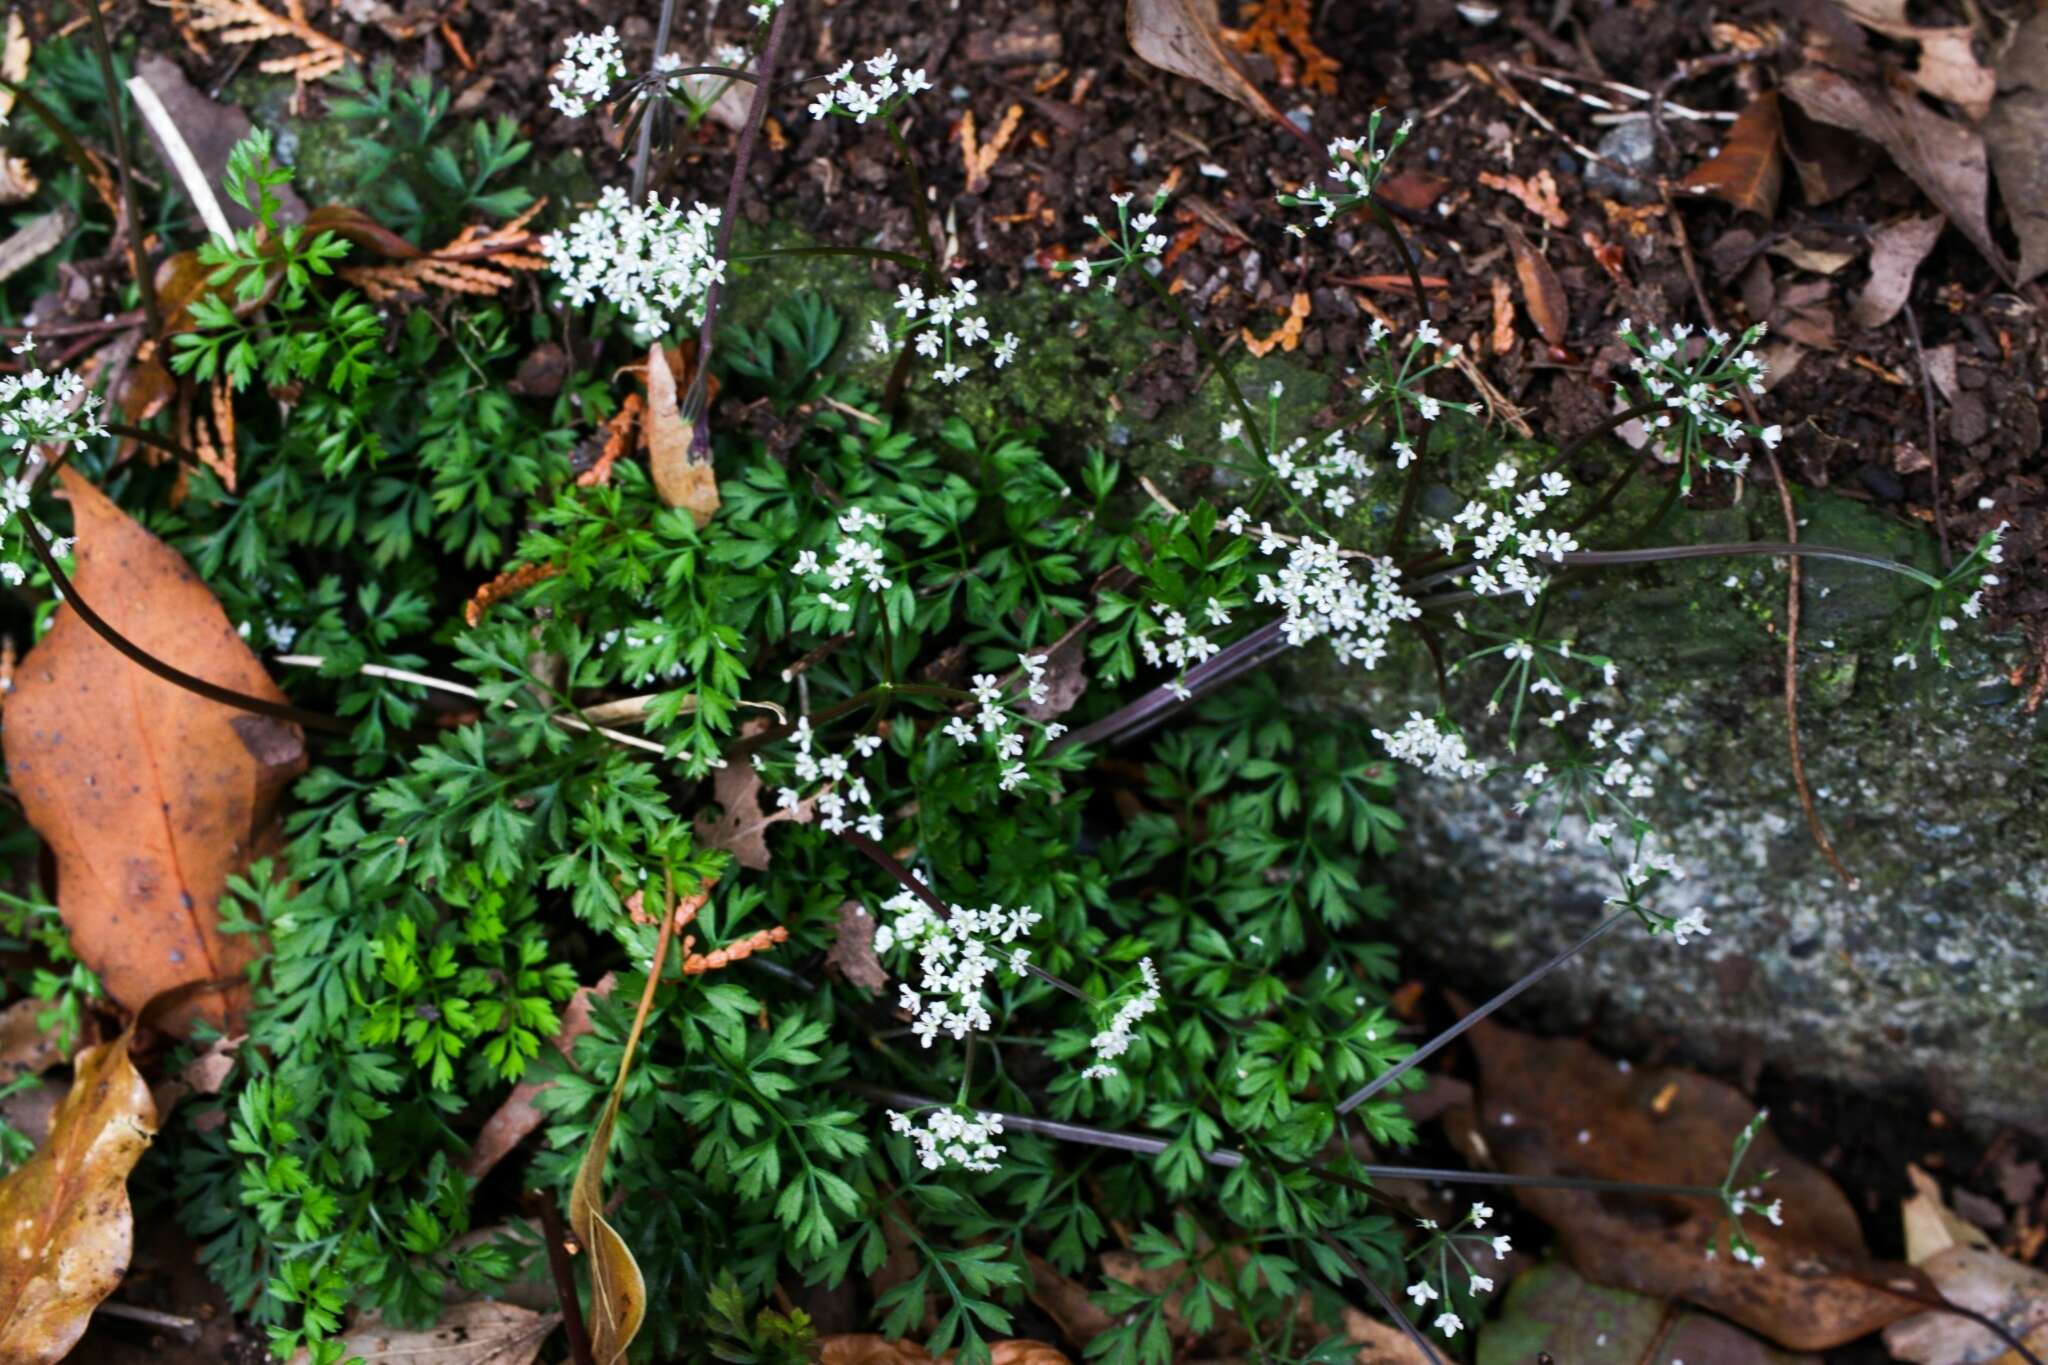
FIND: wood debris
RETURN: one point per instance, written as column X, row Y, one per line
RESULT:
column 1287, row 336
column 245, row 21
column 981, row 158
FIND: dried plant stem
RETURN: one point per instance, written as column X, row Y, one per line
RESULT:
column 557, row 1238
column 643, row 148
column 145, row 282
column 142, row 658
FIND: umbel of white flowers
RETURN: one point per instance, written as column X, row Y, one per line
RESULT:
column 653, row 262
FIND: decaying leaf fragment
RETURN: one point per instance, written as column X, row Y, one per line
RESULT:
column 1970, row 1273
column 148, row 795
column 1287, row 336
column 865, row 1348
column 68, row 1227
column 680, row 478
column 477, row 260
column 1186, row 38
column 1749, row 170
column 245, row 21
column 1542, row 294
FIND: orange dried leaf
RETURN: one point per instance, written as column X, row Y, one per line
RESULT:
column 502, row 587
column 245, row 21
column 618, row 439
column 148, row 795
column 69, row 1224
column 1542, row 295
column 1286, row 336
column 1537, row 193
column 1503, row 316
column 1749, row 169
column 1279, row 30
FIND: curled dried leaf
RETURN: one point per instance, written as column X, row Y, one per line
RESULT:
column 69, row 1225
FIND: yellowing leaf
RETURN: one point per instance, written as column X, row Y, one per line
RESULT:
column 1186, row 38
column 479, row 1332
column 65, row 1223
column 681, row 479
column 618, row 1291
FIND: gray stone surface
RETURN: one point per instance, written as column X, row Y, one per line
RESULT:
column 1927, row 974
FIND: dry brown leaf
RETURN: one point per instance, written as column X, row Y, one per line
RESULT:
column 148, row 795
column 66, row 1212
column 2014, row 134
column 38, row 239
column 1948, row 68
column 479, row 1332
column 679, row 477
column 1818, row 1287
column 516, row 1117
column 17, row 181
column 1287, row 336
column 618, row 439
column 1542, row 296
column 13, row 60
column 852, row 954
column 1970, row 1273
column 1186, row 38
column 1943, row 157
column 1280, row 30
column 1066, row 675
column 1896, row 250
column 741, row 827
column 1749, row 169
column 1381, row 1343
column 1537, row 193
column 215, row 441
column 245, row 21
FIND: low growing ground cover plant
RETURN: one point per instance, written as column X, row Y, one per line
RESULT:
column 839, row 838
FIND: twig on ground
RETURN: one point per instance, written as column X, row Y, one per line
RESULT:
column 189, row 172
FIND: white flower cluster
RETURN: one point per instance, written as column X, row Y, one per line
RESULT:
column 590, row 63
column 859, row 101
column 1427, row 744
column 956, row 956
column 937, row 323
column 1322, row 599
column 858, row 555
column 38, row 409
column 644, row 645
column 652, row 262
column 836, row 804
column 951, row 1138
column 1328, row 474
column 1356, row 164
column 763, row 10
column 998, row 728
column 1172, row 643
column 1695, row 384
column 1962, row 589
column 1505, row 540
column 1401, row 372
column 1133, row 243
column 1443, row 1248
column 1115, row 1040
